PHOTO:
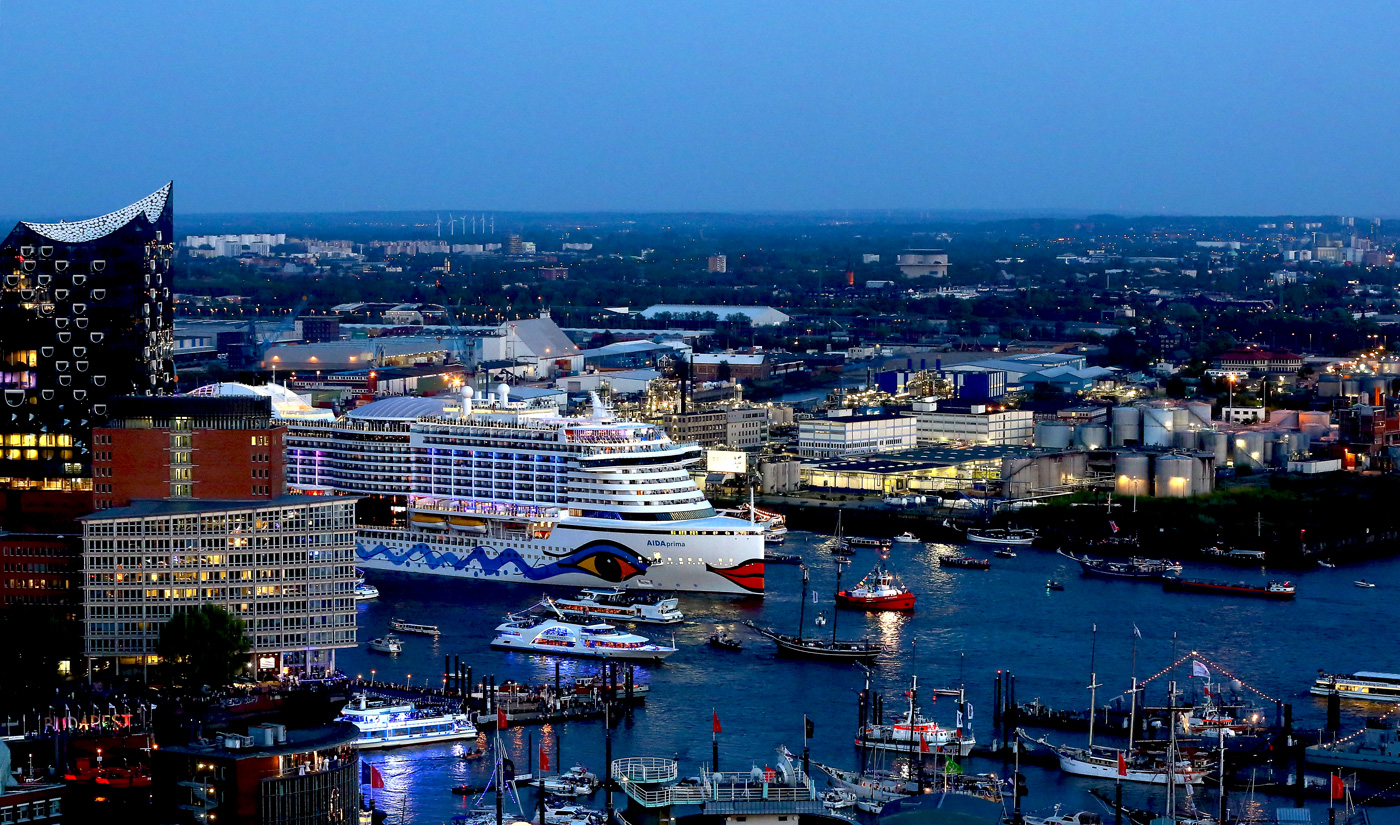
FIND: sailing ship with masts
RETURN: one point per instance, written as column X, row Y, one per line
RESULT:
column 802, row 646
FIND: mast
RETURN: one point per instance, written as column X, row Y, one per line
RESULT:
column 802, row 612
column 913, row 741
column 834, row 610
column 1093, row 682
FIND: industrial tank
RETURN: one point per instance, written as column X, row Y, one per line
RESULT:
column 1092, row 436
column 1124, row 421
column 1156, row 427
column 1249, row 450
column 1181, row 419
column 1133, row 474
column 1200, row 413
column 1183, row 439
column 1054, row 435
column 1173, row 476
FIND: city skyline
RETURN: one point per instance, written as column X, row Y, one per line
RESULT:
column 1118, row 109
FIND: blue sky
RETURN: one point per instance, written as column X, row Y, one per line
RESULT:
column 1130, row 107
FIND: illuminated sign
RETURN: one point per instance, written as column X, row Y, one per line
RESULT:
column 726, row 461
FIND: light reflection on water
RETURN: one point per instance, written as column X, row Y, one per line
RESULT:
column 967, row 624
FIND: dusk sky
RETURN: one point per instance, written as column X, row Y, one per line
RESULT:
column 1208, row 108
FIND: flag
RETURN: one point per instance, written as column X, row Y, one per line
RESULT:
column 1339, row 788
column 815, row 598
column 544, row 759
column 1122, row 765
column 370, row 775
column 923, row 743
column 716, row 728
column 968, row 705
column 1114, row 525
column 1136, row 633
column 501, row 719
column 1199, row 669
column 960, row 720
column 952, row 768
column 807, row 728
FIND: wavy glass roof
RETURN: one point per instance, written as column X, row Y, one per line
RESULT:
column 92, row 228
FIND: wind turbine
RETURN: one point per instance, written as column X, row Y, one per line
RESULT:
column 439, row 225
column 451, row 225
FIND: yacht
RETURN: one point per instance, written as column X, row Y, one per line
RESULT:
column 907, row 538
column 365, row 592
column 386, row 724
column 553, row 633
column 388, row 643
column 622, row 605
column 493, row 489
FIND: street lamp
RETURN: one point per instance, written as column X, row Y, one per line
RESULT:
column 1232, row 392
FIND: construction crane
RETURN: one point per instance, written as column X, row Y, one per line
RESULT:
column 259, row 343
column 455, row 328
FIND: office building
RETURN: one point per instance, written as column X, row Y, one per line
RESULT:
column 918, row 263
column 854, row 435
column 86, row 311
column 717, row 263
column 285, row 566
column 183, row 446
column 958, row 420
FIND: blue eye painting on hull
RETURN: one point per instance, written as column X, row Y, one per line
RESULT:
column 601, row 559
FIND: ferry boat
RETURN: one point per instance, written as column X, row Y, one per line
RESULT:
column 559, row 636
column 385, row 724
column 403, row 626
column 365, row 592
column 879, row 544
column 1000, row 535
column 1364, row 685
column 1272, row 590
column 622, row 605
column 498, row 490
column 881, row 589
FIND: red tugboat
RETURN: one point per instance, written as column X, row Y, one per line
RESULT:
column 881, row 589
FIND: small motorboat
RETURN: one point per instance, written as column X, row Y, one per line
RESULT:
column 1329, row 565
column 870, row 806
column 724, row 640
column 1054, row 585
column 1004, row 554
column 843, row 560
column 388, row 643
column 836, row 799
column 365, row 592
column 907, row 538
column 1363, row 583
column 821, row 619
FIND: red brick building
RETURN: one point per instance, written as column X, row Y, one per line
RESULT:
column 41, row 549
column 184, row 447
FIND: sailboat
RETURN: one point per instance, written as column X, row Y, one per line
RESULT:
column 814, row 648
column 837, row 545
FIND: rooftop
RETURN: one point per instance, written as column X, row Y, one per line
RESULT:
column 298, row 741
column 143, row 508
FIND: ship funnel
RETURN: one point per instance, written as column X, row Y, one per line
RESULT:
column 466, row 401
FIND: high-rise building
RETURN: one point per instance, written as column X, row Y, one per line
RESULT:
column 86, row 314
column 717, row 263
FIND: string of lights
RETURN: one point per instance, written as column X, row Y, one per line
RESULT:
column 1205, row 660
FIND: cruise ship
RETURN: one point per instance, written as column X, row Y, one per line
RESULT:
column 498, row 489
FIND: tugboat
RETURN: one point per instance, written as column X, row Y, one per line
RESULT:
column 881, row 589
column 724, row 640
column 834, row 650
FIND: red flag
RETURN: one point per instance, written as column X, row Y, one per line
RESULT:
column 1122, row 765
column 1339, row 788
column 544, row 759
column 376, row 779
column 716, row 722
column 501, row 719
column 1114, row 525
column 923, row 743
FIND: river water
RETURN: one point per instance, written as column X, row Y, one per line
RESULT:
column 968, row 624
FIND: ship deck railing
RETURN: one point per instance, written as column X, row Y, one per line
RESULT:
column 651, row 782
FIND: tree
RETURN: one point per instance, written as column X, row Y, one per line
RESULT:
column 203, row 647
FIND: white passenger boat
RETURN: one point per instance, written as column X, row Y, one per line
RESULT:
column 906, row 538
column 1000, row 535
column 385, row 724
column 614, row 603
column 1365, row 685
column 365, row 592
column 403, row 626
column 553, row 633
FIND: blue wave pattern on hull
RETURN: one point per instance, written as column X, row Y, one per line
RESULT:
column 605, row 560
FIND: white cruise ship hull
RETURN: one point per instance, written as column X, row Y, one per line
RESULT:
column 713, row 555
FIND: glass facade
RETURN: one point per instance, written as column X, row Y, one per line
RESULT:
column 86, row 311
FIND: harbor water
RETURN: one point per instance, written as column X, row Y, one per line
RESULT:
column 968, row 625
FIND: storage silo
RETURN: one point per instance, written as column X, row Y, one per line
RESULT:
column 1200, row 413
column 1054, row 435
column 1219, row 446
column 1370, row 386
column 1125, row 425
column 1183, row 439
column 1172, row 476
column 1181, row 419
column 1092, row 436
column 1203, row 481
column 1351, row 386
column 1133, row 474
column 1156, row 427
column 1315, row 425
column 1249, row 450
